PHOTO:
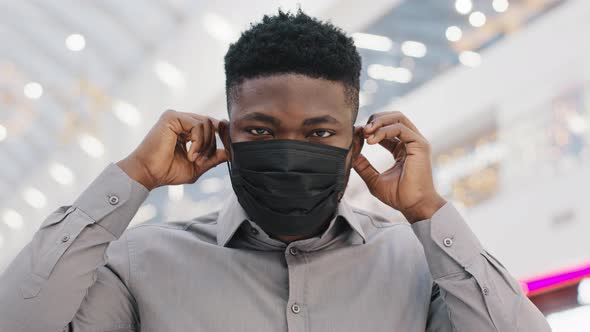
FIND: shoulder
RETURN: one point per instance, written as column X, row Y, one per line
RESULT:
column 392, row 237
column 200, row 229
column 167, row 236
column 391, row 228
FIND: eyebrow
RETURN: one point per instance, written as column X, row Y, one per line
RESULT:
column 320, row 120
column 262, row 118
column 256, row 116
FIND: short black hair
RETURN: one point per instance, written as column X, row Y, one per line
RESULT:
column 288, row 43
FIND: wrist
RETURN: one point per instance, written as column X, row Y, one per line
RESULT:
column 424, row 209
column 136, row 171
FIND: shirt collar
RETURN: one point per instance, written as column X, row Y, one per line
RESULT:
column 232, row 215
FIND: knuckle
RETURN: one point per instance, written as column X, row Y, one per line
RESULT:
column 169, row 113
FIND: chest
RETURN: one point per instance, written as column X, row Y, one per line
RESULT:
column 373, row 288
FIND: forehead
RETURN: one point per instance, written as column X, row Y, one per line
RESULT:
column 292, row 95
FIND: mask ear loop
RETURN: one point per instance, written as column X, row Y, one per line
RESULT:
column 227, row 162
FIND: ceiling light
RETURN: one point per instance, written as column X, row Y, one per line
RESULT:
column 175, row 193
column 414, row 49
column 170, row 75
column 12, row 219
column 3, row 133
column 33, row 90
column 372, row 42
column 219, row 28
column 500, row 5
column 61, row 174
column 75, row 42
column 91, row 145
column 463, row 7
column 577, row 124
column 127, row 113
column 470, row 59
column 477, row 19
column 454, row 33
column 35, row 198
column 388, row 73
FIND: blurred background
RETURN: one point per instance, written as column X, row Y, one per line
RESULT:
column 501, row 88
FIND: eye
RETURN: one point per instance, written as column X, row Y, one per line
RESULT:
column 259, row 131
column 321, row 133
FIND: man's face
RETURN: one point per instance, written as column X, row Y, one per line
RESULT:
column 292, row 106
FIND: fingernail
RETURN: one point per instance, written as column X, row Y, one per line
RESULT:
column 371, row 137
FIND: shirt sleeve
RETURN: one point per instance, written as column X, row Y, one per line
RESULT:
column 109, row 304
column 43, row 287
column 474, row 292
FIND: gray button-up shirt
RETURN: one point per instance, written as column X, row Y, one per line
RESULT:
column 83, row 271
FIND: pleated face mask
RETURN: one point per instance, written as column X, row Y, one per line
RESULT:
column 288, row 187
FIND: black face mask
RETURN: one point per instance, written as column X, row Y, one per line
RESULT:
column 288, row 187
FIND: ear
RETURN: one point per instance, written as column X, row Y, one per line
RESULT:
column 358, row 140
column 223, row 130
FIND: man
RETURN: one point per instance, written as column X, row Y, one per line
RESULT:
column 285, row 253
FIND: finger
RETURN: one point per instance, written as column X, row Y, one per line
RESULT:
column 217, row 158
column 180, row 122
column 197, row 139
column 208, row 137
column 188, row 128
column 366, row 171
column 390, row 144
column 379, row 120
column 398, row 130
column 215, row 123
column 399, row 153
column 212, row 146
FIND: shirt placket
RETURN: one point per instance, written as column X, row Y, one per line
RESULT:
column 296, row 310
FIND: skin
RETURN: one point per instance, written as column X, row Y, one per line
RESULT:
column 292, row 106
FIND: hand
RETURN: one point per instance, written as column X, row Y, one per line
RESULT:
column 162, row 157
column 408, row 185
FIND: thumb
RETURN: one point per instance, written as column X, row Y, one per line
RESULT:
column 366, row 171
column 216, row 159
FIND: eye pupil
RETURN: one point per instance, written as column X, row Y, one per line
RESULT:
column 321, row 133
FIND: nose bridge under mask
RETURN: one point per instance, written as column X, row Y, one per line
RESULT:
column 280, row 155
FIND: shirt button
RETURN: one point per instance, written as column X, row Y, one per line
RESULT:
column 254, row 231
column 448, row 242
column 65, row 238
column 114, row 199
column 486, row 291
column 295, row 308
column 293, row 251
